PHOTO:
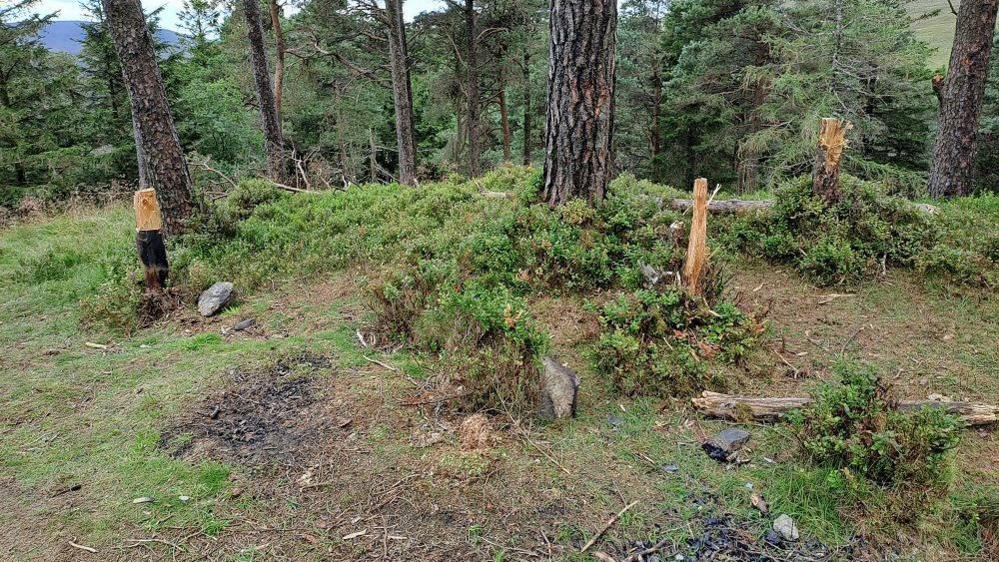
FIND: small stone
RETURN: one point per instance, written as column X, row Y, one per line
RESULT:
column 184, row 499
column 671, row 468
column 722, row 447
column 143, row 499
column 244, row 325
column 559, row 389
column 215, row 298
column 785, row 526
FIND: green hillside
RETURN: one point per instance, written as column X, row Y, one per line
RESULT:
column 938, row 30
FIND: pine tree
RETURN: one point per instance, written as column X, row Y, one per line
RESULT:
column 580, row 100
column 158, row 143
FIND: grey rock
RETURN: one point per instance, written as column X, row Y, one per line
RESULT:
column 559, row 389
column 215, row 298
column 244, row 325
column 670, row 468
column 786, row 528
column 724, row 444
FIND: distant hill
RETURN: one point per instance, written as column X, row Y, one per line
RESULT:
column 938, row 31
column 65, row 36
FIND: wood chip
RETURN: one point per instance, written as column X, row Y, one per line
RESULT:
column 354, row 535
column 760, row 504
column 82, row 547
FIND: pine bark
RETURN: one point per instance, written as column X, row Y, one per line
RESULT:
column 504, row 121
column 528, row 124
column 159, row 146
column 402, row 92
column 273, row 143
column 473, row 125
column 953, row 169
column 580, row 100
column 279, row 51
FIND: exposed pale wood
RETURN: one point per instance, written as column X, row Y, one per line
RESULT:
column 147, row 211
column 832, row 141
column 745, row 408
column 697, row 247
column 747, row 206
column 149, row 239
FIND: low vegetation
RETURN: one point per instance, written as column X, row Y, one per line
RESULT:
column 464, row 284
column 868, row 231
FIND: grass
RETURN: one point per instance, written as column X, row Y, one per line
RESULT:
column 71, row 414
column 937, row 30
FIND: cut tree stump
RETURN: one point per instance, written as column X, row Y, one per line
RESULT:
column 749, row 408
column 149, row 239
column 697, row 248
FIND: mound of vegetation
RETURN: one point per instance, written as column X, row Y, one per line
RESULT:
column 855, row 427
column 452, row 272
column 662, row 343
column 868, row 231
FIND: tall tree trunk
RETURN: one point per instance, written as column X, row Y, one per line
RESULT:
column 279, row 52
column 473, row 126
column 528, row 116
column 140, row 154
column 273, row 143
column 747, row 158
column 954, row 154
column 504, row 120
column 580, row 100
column 373, row 157
column 402, row 92
column 158, row 141
column 655, row 132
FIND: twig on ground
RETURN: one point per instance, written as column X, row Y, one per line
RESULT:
column 637, row 556
column 608, row 525
column 146, row 541
column 82, row 547
column 377, row 362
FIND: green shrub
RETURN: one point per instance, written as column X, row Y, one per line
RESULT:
column 868, row 231
column 853, row 239
column 856, row 424
column 116, row 303
column 663, row 343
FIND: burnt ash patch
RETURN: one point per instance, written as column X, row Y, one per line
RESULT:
column 724, row 538
column 275, row 415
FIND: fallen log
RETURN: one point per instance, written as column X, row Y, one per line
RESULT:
column 748, row 206
column 746, row 408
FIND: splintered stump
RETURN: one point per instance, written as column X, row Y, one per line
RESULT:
column 697, row 248
column 749, row 408
column 832, row 141
column 149, row 239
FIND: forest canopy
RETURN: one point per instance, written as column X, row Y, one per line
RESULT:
column 731, row 90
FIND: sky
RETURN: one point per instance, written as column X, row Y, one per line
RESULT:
column 70, row 9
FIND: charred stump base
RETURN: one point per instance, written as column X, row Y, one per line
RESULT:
column 152, row 254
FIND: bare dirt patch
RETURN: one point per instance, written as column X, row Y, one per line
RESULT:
column 270, row 415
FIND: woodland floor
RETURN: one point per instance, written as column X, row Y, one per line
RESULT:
column 290, row 441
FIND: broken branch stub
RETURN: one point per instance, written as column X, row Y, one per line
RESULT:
column 832, row 141
column 697, row 247
column 764, row 409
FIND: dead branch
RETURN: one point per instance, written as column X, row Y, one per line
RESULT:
column 764, row 409
column 608, row 525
